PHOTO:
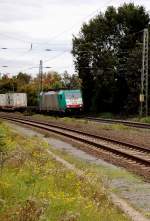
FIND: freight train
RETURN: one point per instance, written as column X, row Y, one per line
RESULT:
column 13, row 101
column 61, row 101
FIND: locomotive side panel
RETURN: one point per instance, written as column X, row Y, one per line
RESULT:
column 49, row 101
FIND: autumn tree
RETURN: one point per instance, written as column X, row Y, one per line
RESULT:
column 71, row 81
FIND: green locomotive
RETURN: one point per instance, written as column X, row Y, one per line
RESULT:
column 61, row 101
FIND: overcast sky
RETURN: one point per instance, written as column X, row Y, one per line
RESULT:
column 46, row 24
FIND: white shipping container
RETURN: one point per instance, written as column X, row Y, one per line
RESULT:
column 3, row 100
column 17, row 100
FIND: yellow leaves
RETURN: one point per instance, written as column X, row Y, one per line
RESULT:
column 4, row 184
column 89, row 205
column 61, row 196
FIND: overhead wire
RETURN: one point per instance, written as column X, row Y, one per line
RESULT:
column 58, row 35
column 45, row 61
column 15, row 38
column 61, row 33
column 70, row 28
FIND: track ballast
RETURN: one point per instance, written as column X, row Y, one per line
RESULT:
column 133, row 157
column 115, row 121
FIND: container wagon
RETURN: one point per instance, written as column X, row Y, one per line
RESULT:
column 17, row 100
column 3, row 100
column 61, row 101
column 13, row 101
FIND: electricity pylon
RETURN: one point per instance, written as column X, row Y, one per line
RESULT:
column 144, row 75
column 41, row 75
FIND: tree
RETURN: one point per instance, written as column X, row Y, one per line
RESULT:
column 23, row 78
column 7, row 84
column 70, row 81
column 51, row 80
column 105, row 52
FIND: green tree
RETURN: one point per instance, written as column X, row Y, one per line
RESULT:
column 105, row 53
column 7, row 84
column 71, row 81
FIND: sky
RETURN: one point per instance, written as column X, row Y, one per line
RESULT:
column 44, row 24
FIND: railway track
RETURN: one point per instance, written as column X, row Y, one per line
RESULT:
column 133, row 157
column 124, row 122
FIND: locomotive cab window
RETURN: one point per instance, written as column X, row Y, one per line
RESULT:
column 73, row 95
column 61, row 97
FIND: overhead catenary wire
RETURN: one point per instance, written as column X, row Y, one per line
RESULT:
column 80, row 21
column 45, row 61
column 60, row 34
column 29, row 42
column 67, row 51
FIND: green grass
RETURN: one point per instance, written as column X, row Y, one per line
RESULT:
column 33, row 186
column 108, row 115
column 100, row 170
column 115, row 127
column 103, row 172
column 141, row 119
column 81, row 123
column 109, row 175
column 145, row 120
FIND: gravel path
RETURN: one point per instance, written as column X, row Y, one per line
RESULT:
column 131, row 188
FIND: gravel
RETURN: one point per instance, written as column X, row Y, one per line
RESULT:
column 116, row 131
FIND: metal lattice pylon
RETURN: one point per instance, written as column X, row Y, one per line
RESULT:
column 41, row 76
column 144, row 75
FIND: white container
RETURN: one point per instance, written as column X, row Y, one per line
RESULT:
column 3, row 100
column 17, row 100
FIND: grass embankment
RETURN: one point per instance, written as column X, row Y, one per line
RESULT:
column 81, row 123
column 33, row 186
column 105, row 115
column 142, row 120
column 117, row 179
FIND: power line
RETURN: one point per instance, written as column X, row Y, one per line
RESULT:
column 70, row 28
column 45, row 61
column 51, row 59
column 78, row 44
column 15, row 38
column 57, row 35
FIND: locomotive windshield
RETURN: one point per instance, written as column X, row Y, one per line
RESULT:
column 73, row 95
column 73, row 99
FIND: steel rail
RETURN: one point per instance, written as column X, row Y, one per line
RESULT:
column 107, row 139
column 77, row 136
column 124, row 122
